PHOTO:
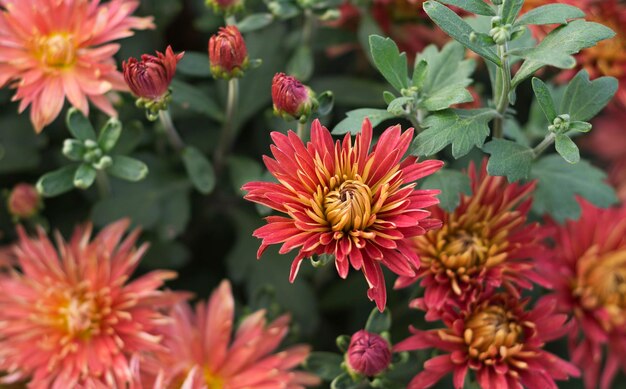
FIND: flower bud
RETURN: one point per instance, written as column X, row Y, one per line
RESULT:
column 368, row 354
column 24, row 201
column 501, row 34
column 227, row 7
column 150, row 78
column 228, row 53
column 292, row 99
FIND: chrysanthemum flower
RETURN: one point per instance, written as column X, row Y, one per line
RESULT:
column 71, row 318
column 56, row 49
column 343, row 199
column 588, row 270
column 292, row 99
column 483, row 244
column 499, row 340
column 228, row 53
column 201, row 355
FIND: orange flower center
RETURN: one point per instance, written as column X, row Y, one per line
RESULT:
column 212, row 381
column 601, row 283
column 493, row 332
column 349, row 207
column 56, row 50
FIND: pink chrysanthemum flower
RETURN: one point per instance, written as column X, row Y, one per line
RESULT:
column 588, row 270
column 483, row 244
column 201, row 355
column 56, row 49
column 499, row 340
column 343, row 199
column 71, row 318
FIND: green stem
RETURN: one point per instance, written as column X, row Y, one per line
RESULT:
column 170, row 131
column 307, row 29
column 230, row 20
column 103, row 184
column 226, row 136
column 301, row 130
column 503, row 82
column 545, row 143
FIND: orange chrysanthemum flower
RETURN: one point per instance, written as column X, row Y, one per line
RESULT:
column 200, row 355
column 71, row 318
column 56, row 49
column 483, row 244
column 359, row 205
column 588, row 270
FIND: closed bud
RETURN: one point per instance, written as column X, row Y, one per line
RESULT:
column 501, row 34
column 292, row 99
column 227, row 7
column 24, row 201
column 228, row 53
column 369, row 354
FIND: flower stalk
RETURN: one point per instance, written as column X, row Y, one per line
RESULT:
column 170, row 131
column 226, row 136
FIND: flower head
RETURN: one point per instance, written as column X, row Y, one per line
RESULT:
column 228, row 53
column 200, row 353
column 56, row 49
column 368, row 354
column 150, row 78
column 484, row 243
column 72, row 319
column 292, row 99
column 497, row 338
column 587, row 267
column 357, row 204
column 24, row 201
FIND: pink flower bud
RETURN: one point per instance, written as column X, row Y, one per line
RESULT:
column 151, row 77
column 292, row 99
column 24, row 201
column 228, row 53
column 368, row 354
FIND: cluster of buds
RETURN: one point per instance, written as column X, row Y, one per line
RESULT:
column 225, row 7
column 24, row 201
column 228, row 53
column 563, row 123
column 150, row 79
column 292, row 100
column 500, row 33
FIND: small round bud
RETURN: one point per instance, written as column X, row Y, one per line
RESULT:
column 501, row 34
column 560, row 124
column 24, row 201
column 496, row 21
column 103, row 163
column 292, row 99
column 91, row 144
column 369, row 354
column 228, row 53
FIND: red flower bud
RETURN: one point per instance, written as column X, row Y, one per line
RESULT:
column 292, row 99
column 24, row 201
column 368, row 354
column 151, row 77
column 228, row 53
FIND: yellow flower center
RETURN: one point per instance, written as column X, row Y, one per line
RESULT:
column 492, row 331
column 601, row 283
column 212, row 381
column 349, row 207
column 56, row 50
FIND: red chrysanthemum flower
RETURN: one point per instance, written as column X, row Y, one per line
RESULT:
column 483, row 244
column 499, row 340
column 151, row 77
column 56, row 49
column 228, row 53
column 343, row 199
column 71, row 318
column 588, row 270
column 291, row 98
column 199, row 353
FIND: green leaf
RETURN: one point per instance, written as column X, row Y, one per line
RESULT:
column 325, row 365
column 396, row 107
column 584, row 99
column 283, row 10
column 57, row 182
column 544, row 99
column 388, row 60
column 127, row 168
column 191, row 98
column 79, row 125
column 579, row 126
column 326, row 101
column 510, row 10
column 194, row 64
column 388, row 97
column 301, row 63
column 352, row 123
column 567, row 148
column 564, row 40
column 560, row 182
column 478, row 7
column 551, row 14
column 378, row 322
column 464, row 129
column 446, row 67
column 509, row 159
column 445, row 97
column 451, row 183
column 255, row 22
column 458, row 29
column 556, row 59
column 85, row 176
column 74, row 149
column 419, row 74
column 199, row 169
column 109, row 135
